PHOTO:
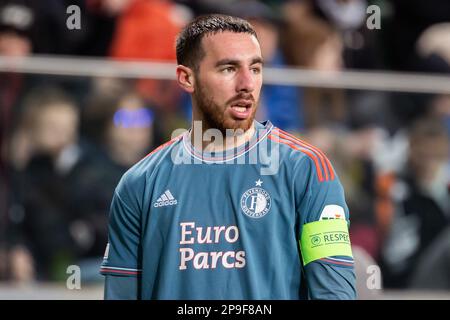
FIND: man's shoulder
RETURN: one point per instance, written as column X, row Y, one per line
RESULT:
column 144, row 168
column 301, row 155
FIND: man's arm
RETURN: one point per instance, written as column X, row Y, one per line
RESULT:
column 121, row 265
column 121, row 288
column 330, row 282
column 324, row 240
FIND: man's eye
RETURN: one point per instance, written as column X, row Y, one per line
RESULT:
column 256, row 70
column 228, row 70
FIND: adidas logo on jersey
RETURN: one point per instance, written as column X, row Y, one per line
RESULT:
column 166, row 199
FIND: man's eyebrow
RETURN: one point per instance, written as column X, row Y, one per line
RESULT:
column 234, row 62
column 227, row 62
column 257, row 60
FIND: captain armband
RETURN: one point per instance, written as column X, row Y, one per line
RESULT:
column 325, row 238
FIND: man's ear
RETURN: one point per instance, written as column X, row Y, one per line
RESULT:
column 185, row 78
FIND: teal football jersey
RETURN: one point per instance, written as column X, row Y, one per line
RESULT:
column 266, row 220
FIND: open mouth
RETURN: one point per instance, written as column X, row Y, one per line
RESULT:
column 241, row 109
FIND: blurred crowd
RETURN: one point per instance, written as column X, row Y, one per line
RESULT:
column 66, row 141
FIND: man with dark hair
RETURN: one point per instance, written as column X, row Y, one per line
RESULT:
column 189, row 43
column 232, row 208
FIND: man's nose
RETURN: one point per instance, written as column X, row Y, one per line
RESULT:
column 246, row 81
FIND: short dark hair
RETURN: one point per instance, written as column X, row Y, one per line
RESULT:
column 188, row 45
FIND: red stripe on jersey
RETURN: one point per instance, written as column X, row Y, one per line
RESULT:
column 325, row 162
column 338, row 262
column 295, row 141
column 119, row 271
column 168, row 143
column 277, row 138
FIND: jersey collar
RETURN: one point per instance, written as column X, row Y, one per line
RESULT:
column 262, row 129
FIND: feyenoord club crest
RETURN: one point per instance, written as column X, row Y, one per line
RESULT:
column 256, row 202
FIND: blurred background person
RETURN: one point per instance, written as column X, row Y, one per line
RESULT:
column 311, row 42
column 120, row 127
column 146, row 30
column 408, row 21
column 431, row 272
column 420, row 198
column 64, row 181
column 16, row 23
column 45, row 151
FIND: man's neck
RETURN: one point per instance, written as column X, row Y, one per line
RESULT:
column 214, row 141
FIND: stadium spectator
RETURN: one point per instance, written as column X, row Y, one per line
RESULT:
column 431, row 55
column 146, row 30
column 98, row 22
column 120, row 129
column 43, row 24
column 419, row 196
column 410, row 19
column 432, row 271
column 26, row 27
column 122, row 125
column 57, row 212
column 16, row 22
column 433, row 50
column 360, row 44
column 313, row 43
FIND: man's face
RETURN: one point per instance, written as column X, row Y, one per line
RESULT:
column 55, row 128
column 427, row 156
column 228, row 81
column 14, row 45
